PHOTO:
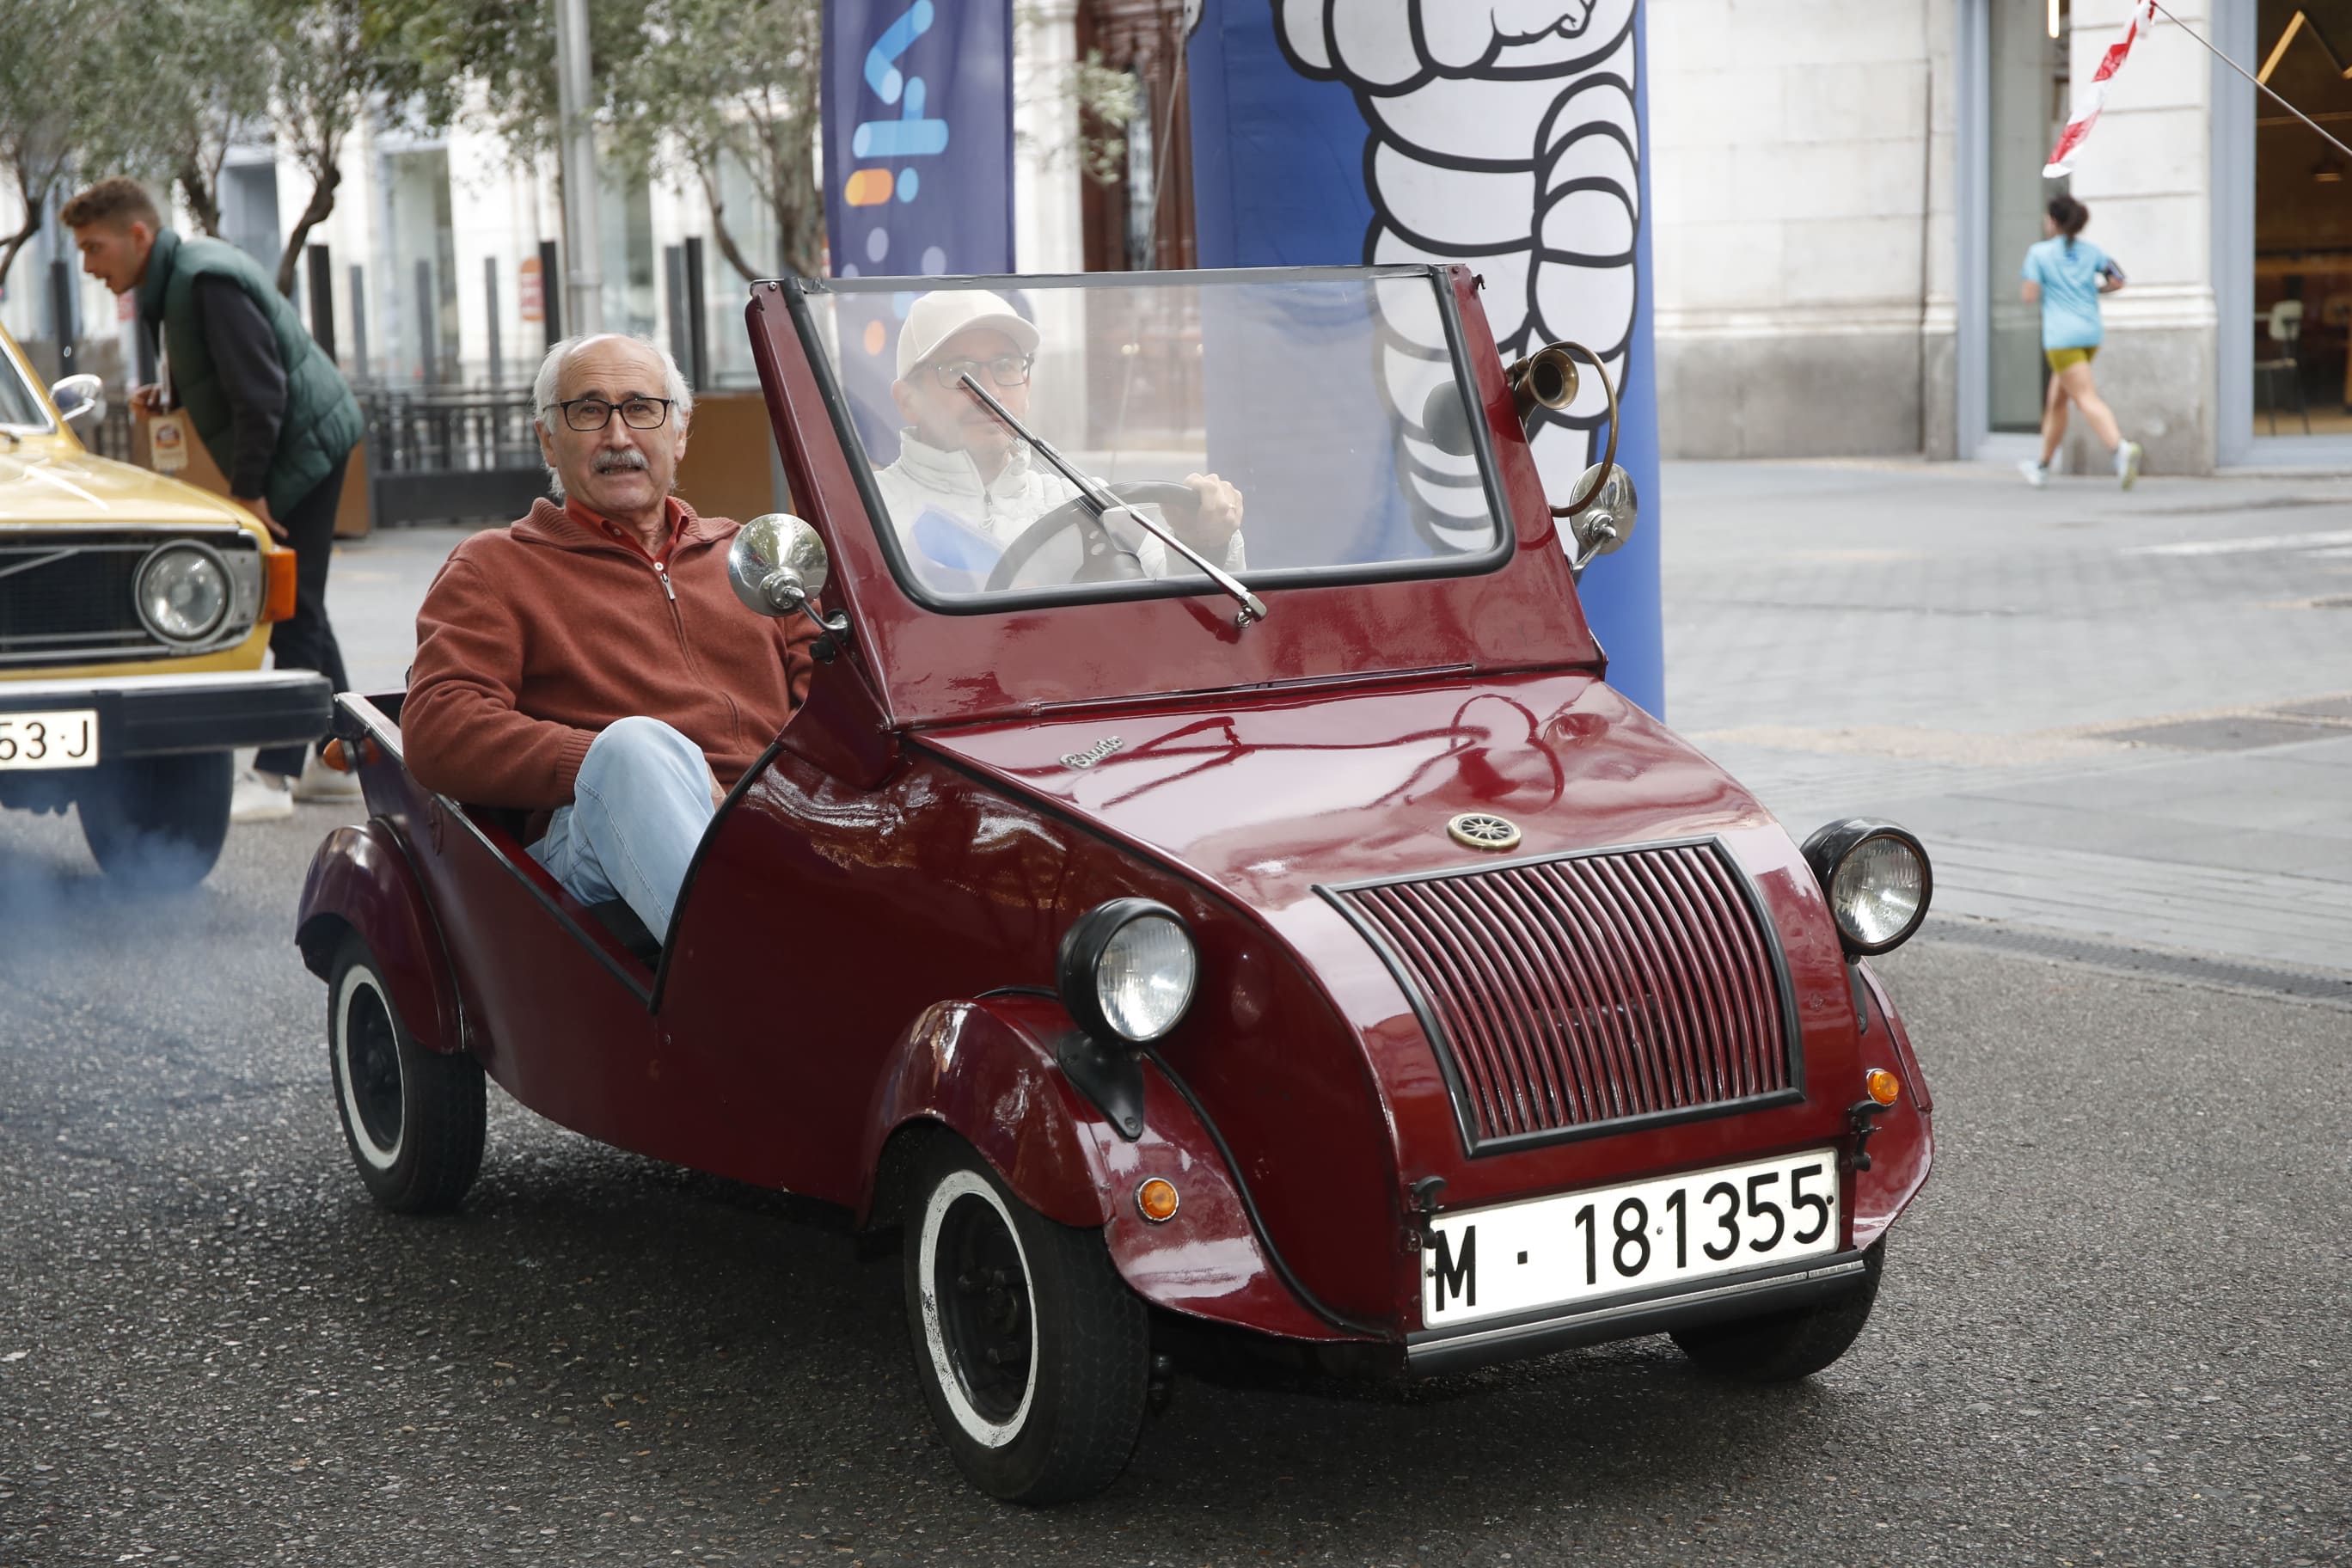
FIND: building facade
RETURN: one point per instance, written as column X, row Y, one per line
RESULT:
column 1843, row 191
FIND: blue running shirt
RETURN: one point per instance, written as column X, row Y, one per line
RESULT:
column 2069, row 290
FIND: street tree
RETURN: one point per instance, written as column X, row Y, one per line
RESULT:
column 200, row 73
column 54, row 66
column 731, row 81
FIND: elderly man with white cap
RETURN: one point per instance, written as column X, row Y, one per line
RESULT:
column 965, row 486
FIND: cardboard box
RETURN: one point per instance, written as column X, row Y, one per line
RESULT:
column 354, row 518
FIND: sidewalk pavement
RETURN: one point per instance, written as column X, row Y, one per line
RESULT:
column 2121, row 717
column 2124, row 717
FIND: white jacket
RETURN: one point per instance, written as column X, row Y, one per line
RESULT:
column 952, row 527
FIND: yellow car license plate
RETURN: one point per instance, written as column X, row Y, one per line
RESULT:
column 61, row 738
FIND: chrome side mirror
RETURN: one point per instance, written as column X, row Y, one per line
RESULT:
column 80, row 398
column 778, row 566
column 1606, row 518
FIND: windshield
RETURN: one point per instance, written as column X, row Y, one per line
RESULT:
column 20, row 405
column 1273, row 424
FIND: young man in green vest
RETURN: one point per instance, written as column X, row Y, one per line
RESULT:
column 269, row 406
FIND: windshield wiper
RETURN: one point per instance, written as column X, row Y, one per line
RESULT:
column 1253, row 608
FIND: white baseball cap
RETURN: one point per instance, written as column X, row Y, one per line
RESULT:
column 936, row 316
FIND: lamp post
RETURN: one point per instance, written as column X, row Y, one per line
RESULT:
column 583, row 279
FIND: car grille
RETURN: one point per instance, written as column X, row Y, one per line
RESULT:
column 66, row 598
column 1582, row 992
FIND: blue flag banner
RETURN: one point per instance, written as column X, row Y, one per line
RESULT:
column 918, row 109
column 1510, row 137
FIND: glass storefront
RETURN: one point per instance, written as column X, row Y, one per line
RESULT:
column 418, row 300
column 2026, row 54
column 2302, row 221
column 624, row 212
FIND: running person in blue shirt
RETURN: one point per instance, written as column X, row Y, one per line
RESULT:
column 2066, row 275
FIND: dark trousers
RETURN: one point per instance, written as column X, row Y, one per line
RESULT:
column 304, row 640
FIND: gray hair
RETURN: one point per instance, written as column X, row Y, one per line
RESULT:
column 543, row 386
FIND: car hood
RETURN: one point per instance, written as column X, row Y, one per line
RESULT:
column 1271, row 797
column 49, row 483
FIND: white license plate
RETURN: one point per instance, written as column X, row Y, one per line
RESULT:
column 62, row 738
column 1557, row 1252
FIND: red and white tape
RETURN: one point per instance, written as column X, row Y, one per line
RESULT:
column 2094, row 96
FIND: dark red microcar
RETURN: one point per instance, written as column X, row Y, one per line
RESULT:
column 1293, row 935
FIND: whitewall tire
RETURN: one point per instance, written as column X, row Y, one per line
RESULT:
column 1033, row 1353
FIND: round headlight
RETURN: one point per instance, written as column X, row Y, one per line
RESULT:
column 1876, row 878
column 184, row 592
column 1126, row 970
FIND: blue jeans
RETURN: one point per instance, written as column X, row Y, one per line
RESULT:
column 638, row 809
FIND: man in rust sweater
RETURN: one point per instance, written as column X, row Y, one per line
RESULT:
column 590, row 664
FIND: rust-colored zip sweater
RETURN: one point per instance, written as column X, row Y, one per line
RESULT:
column 535, row 636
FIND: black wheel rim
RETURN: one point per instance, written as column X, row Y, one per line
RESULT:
column 985, row 1312
column 371, row 1057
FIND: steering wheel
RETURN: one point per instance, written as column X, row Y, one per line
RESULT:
column 1105, row 562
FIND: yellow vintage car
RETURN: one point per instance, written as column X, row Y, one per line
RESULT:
column 135, row 614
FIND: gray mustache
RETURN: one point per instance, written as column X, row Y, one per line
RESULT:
column 618, row 462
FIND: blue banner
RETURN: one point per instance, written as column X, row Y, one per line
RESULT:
column 918, row 111
column 1510, row 137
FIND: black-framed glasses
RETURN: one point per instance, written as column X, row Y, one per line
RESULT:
column 637, row 413
column 1005, row 370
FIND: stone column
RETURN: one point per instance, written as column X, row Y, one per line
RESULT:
column 2146, row 174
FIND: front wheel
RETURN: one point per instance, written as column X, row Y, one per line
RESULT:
column 1033, row 1355
column 1781, row 1347
column 415, row 1119
column 158, row 822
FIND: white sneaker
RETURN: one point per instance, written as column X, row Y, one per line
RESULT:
column 260, row 797
column 2127, row 463
column 321, row 783
column 2035, row 474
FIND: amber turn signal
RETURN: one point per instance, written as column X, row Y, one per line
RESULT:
column 1884, row 1086
column 1157, row 1199
column 278, row 604
column 339, row 754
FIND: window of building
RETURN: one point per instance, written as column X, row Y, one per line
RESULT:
column 2302, row 221
column 2027, row 47
column 624, row 212
column 418, row 296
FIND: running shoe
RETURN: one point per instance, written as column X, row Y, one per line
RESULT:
column 2127, row 463
column 260, row 797
column 2035, row 474
column 321, row 783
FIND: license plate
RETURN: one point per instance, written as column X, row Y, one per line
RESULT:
column 63, row 738
column 1557, row 1251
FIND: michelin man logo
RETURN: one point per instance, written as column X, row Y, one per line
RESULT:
column 1502, row 136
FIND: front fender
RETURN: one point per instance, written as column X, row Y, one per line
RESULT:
column 361, row 880
column 1904, row 1147
column 986, row 1070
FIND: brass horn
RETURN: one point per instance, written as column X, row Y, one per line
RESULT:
column 1545, row 379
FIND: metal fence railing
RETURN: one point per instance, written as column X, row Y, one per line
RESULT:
column 450, row 455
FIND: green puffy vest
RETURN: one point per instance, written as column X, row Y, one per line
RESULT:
column 322, row 421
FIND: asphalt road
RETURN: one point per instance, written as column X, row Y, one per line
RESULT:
column 2113, row 1330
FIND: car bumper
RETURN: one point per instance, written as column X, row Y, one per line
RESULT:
column 155, row 715
column 1799, row 1283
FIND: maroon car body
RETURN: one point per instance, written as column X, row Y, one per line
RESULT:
column 1387, row 1027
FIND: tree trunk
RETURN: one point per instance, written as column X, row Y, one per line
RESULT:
column 34, row 178
column 727, row 245
column 322, row 202
column 17, row 242
column 202, row 195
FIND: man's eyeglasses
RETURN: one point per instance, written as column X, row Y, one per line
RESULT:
column 1005, row 370
column 637, row 413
